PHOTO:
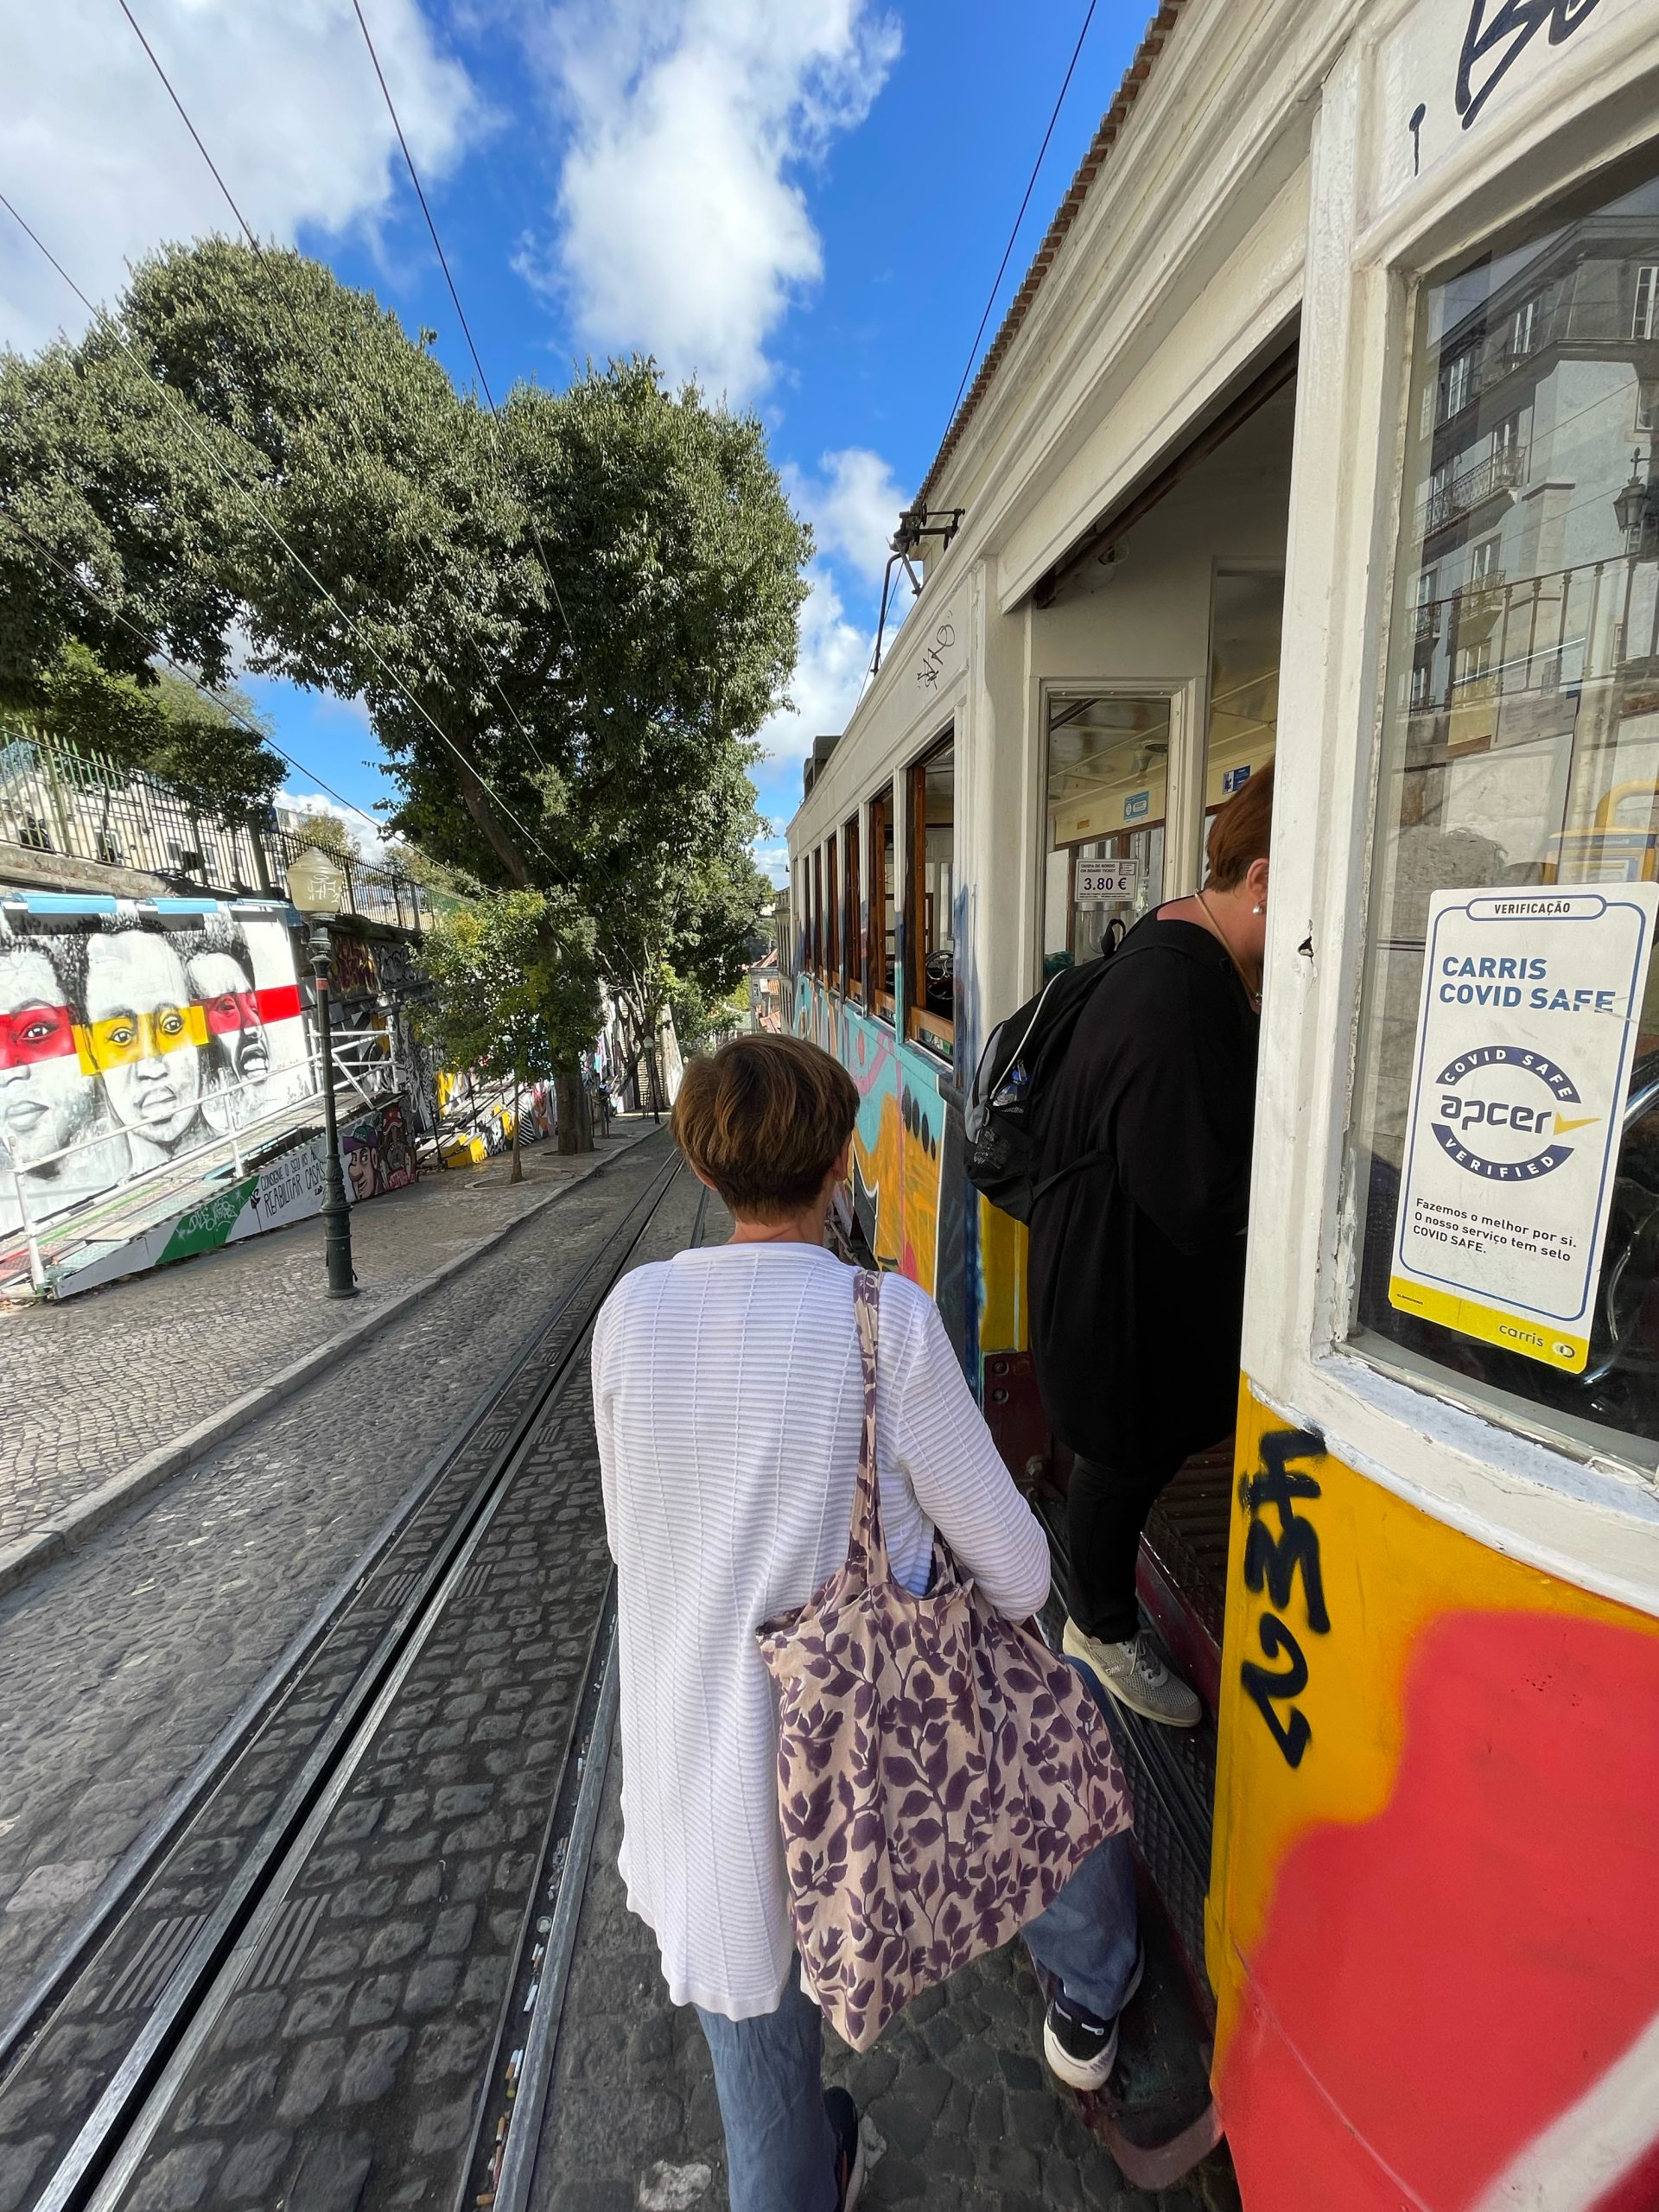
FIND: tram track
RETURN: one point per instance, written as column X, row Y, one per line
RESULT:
column 312, row 1963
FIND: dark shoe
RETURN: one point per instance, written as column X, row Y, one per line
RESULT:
column 843, row 2115
column 1080, row 2049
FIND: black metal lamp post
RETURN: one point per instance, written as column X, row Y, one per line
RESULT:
column 316, row 884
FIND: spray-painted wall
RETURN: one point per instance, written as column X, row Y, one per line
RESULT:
column 133, row 1034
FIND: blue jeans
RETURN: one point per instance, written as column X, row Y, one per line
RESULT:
column 779, row 2150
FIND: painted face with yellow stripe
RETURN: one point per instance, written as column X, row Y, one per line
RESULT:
column 144, row 1035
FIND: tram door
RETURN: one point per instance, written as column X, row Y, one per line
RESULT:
column 1107, row 785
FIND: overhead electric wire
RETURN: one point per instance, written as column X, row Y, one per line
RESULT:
column 265, row 263
column 225, row 469
column 1030, row 185
column 158, row 652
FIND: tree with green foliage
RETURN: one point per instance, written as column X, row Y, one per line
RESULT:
column 498, row 1001
column 567, row 622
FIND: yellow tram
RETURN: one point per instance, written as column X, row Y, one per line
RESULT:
column 1324, row 427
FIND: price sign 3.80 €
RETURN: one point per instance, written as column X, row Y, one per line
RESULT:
column 1526, row 1032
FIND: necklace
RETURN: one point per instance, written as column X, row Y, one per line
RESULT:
column 1253, row 994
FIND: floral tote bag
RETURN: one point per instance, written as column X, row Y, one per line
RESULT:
column 941, row 1773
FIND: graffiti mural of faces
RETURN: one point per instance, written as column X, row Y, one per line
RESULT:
column 124, row 1046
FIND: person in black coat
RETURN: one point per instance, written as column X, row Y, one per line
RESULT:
column 1136, row 1273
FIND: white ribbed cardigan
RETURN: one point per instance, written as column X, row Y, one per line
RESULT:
column 728, row 1402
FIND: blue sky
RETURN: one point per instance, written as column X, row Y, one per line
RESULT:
column 803, row 201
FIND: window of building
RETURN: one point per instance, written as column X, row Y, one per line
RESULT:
column 930, row 900
column 832, row 918
column 1522, row 754
column 853, row 933
column 1108, row 800
column 1455, row 383
column 1646, row 312
column 883, row 914
column 1523, row 324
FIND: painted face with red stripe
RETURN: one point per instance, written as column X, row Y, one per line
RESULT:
column 46, row 1098
column 229, row 1005
column 146, row 1037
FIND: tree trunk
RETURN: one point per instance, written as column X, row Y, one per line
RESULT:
column 518, row 1174
column 573, row 1135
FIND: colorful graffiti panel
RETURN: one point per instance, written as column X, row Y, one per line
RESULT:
column 133, row 1033
column 1434, row 1934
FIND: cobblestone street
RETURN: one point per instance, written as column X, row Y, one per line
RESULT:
column 97, row 1381
column 958, row 2107
column 119, row 1665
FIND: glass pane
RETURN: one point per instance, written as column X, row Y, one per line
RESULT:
column 1247, row 615
column 1521, row 741
column 1108, row 775
column 881, row 857
column 932, row 791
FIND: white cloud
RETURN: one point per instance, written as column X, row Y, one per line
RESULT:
column 682, row 228
column 772, row 858
column 834, row 656
column 853, row 504
column 363, row 833
column 94, row 155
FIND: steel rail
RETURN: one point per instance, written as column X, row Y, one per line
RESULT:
column 109, row 2143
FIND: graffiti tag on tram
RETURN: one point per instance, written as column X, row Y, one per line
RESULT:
column 1499, row 33
column 932, row 664
column 1278, row 1553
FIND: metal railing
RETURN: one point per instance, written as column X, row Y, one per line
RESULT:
column 55, row 799
column 1502, row 468
column 1544, row 635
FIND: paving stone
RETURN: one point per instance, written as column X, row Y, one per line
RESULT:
column 376, row 1999
column 331, row 2174
column 316, row 2068
column 432, row 1986
column 177, row 2180
column 314, row 2009
column 452, row 1932
column 371, row 2069
column 19, row 2163
column 250, row 2172
column 59, row 1883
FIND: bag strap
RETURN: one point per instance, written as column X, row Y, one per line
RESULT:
column 867, row 1548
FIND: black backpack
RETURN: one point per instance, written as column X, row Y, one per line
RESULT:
column 1016, row 1072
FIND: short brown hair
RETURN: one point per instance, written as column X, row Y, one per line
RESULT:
column 763, row 1119
column 1240, row 832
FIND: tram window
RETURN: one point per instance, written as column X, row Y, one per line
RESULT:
column 832, row 918
column 1108, row 774
column 930, row 900
column 852, row 934
column 1520, row 748
column 883, row 914
column 1246, row 619
column 817, row 911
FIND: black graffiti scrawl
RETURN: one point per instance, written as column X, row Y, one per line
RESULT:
column 1499, row 32
column 1279, row 1553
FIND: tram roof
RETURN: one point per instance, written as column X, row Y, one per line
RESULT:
column 1154, row 39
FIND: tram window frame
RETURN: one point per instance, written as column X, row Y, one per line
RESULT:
column 853, row 933
column 1531, row 1398
column 817, row 912
column 936, row 1031
column 831, row 916
column 881, row 942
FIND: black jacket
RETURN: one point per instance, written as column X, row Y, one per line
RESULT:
column 1136, row 1277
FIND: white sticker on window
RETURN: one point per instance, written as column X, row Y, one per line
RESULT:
column 1526, row 1031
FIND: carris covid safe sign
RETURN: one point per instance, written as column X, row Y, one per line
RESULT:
column 1526, row 1031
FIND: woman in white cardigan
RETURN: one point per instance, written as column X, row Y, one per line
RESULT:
column 728, row 1400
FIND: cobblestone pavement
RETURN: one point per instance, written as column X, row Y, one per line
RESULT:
column 97, row 1381
column 119, row 1666
column 958, row 2107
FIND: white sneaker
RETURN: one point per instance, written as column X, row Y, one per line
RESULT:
column 1080, row 2051
column 1133, row 1672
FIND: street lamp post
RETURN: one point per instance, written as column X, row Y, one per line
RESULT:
column 316, row 884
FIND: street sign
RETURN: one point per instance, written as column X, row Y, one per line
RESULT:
column 1102, row 882
column 1234, row 779
column 1526, row 1031
column 1137, row 806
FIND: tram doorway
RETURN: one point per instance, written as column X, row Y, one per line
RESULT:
column 1160, row 700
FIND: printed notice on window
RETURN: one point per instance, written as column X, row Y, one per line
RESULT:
column 1525, row 1035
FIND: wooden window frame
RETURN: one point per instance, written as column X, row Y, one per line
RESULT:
column 881, row 1000
column 852, row 935
column 831, row 915
column 817, row 912
column 934, row 1031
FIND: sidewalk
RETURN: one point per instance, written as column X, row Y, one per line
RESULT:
column 958, row 2107
column 96, row 1383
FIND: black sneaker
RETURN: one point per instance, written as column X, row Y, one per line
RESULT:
column 842, row 2115
column 1080, row 2049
